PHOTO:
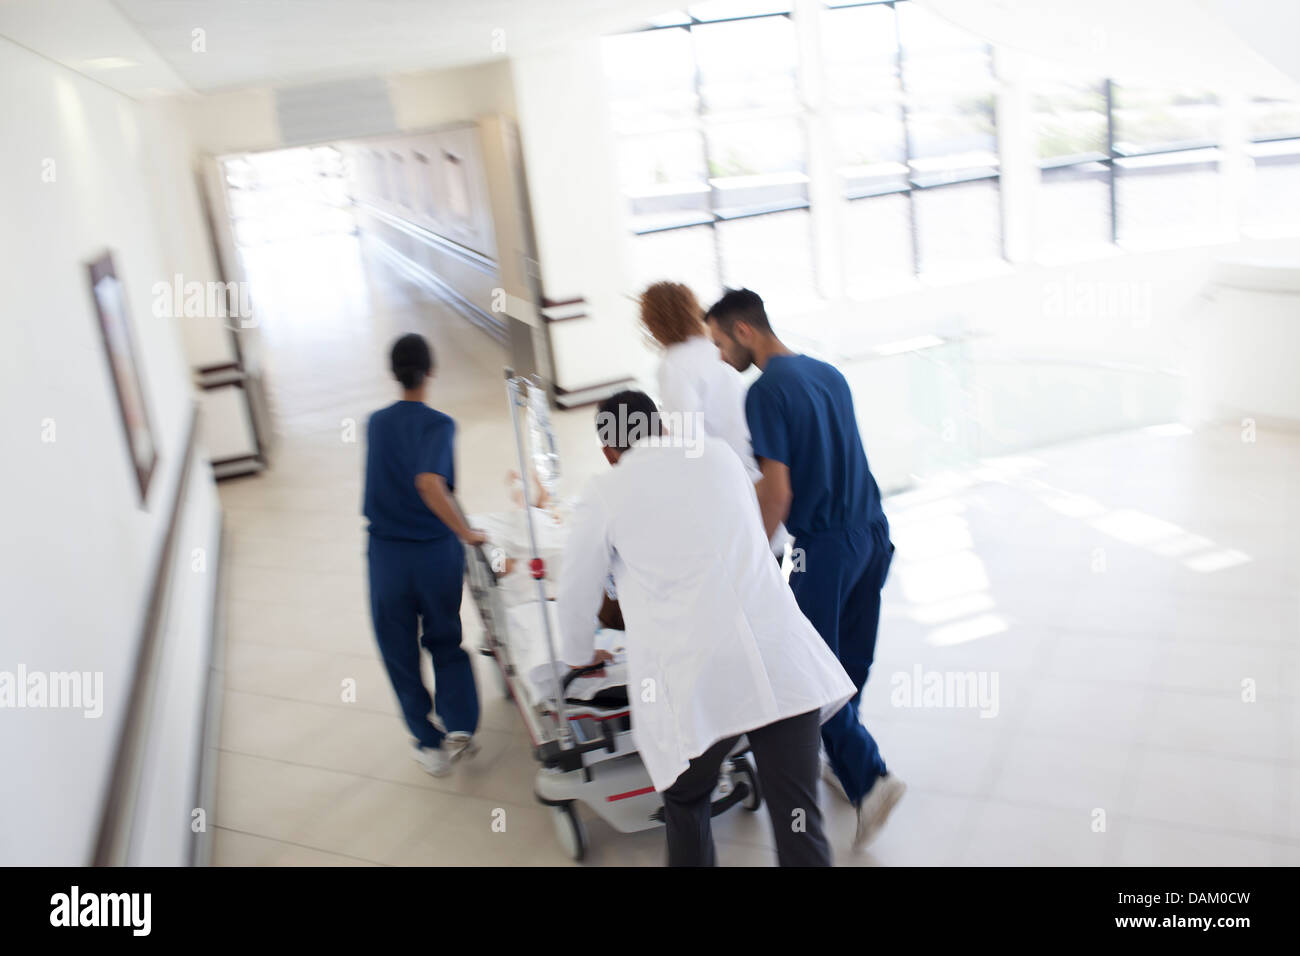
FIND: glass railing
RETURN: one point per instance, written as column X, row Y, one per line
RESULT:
column 933, row 404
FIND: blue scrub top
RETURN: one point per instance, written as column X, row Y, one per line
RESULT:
column 800, row 413
column 404, row 440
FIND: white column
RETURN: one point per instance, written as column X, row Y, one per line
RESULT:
column 824, row 192
column 1236, row 165
column 1017, row 156
column 578, row 214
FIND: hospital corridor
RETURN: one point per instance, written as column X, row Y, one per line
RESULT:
column 1115, row 687
column 754, row 434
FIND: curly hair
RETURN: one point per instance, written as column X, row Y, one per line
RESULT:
column 671, row 313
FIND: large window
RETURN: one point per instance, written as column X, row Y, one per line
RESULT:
column 714, row 145
column 1072, row 212
column 772, row 253
column 682, row 255
column 1166, row 149
column 1165, row 199
column 725, row 111
column 915, row 145
column 1272, row 204
column 713, row 155
column 878, row 254
column 868, row 144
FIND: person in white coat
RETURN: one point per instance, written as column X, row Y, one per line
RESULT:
column 716, row 645
column 695, row 381
column 692, row 377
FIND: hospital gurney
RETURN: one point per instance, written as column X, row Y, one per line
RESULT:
column 579, row 720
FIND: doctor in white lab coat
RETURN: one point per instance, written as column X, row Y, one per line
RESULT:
column 716, row 645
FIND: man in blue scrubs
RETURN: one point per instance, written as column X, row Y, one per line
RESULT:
column 815, row 478
column 417, row 564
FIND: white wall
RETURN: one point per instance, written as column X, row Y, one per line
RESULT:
column 437, row 97
column 1248, row 337
column 234, row 122
column 79, row 549
column 578, row 214
column 183, row 237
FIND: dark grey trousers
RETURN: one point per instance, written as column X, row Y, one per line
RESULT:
column 789, row 766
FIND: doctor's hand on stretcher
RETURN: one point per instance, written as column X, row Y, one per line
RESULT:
column 602, row 657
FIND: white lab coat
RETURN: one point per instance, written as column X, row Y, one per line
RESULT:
column 716, row 645
column 693, row 379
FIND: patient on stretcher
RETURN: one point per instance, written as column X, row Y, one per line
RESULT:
column 508, row 534
column 509, row 550
column 606, row 687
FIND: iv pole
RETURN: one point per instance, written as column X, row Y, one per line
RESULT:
column 516, row 389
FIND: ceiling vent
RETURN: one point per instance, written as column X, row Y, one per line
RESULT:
column 323, row 112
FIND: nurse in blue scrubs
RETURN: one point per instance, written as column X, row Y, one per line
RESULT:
column 417, row 562
column 815, row 478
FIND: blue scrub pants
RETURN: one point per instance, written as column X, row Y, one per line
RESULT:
column 838, row 590
column 415, row 592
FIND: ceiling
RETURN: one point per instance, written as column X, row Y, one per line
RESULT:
column 1271, row 27
column 148, row 48
column 283, row 42
column 91, row 37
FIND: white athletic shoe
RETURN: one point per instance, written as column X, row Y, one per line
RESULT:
column 433, row 759
column 875, row 808
column 832, row 781
column 459, row 744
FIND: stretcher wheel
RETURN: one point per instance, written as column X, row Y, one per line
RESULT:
column 743, row 771
column 570, row 830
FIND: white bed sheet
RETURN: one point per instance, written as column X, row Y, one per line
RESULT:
column 507, row 531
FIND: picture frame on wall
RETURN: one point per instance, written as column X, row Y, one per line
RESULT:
column 124, row 369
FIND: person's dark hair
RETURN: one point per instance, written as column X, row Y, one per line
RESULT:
column 411, row 360
column 626, row 418
column 739, row 305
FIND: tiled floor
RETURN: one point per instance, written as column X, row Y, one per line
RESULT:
column 1126, row 593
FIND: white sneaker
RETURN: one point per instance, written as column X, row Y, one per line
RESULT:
column 875, row 808
column 832, row 781
column 433, row 759
column 459, row 744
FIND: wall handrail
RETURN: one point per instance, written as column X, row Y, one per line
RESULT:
column 476, row 259
column 113, row 836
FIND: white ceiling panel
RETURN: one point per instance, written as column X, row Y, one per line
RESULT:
column 277, row 42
